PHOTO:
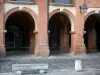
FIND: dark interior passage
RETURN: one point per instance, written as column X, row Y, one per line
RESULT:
column 20, row 27
column 59, row 33
column 98, row 34
column 54, row 36
column 92, row 36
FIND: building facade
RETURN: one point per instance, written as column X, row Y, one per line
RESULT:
column 46, row 26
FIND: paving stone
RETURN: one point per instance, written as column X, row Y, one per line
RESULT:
column 56, row 63
column 6, row 73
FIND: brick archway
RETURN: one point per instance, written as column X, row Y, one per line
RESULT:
column 25, row 9
column 29, row 12
column 34, row 15
column 90, row 13
column 91, row 26
column 53, row 12
column 9, row 13
column 71, row 17
column 66, row 12
column 69, row 14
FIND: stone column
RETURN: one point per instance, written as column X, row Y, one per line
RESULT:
column 32, row 40
column 42, row 48
column 66, row 42
column 83, row 44
column 2, row 38
column 72, row 48
column 66, row 37
column 92, row 36
column 92, row 41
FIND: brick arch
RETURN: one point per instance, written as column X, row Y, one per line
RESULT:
column 53, row 12
column 65, row 11
column 68, row 13
column 9, row 13
column 30, row 12
column 90, row 13
column 33, row 14
column 72, row 21
column 25, row 9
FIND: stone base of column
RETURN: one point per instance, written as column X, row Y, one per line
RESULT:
column 42, row 50
column 64, row 49
column 83, row 49
column 79, row 50
column 32, row 46
column 2, row 51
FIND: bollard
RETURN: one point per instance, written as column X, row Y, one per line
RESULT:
column 78, row 65
column 18, row 73
column 41, row 71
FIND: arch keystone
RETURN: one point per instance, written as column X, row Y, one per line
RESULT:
column 20, row 7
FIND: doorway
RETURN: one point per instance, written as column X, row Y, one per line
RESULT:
column 19, row 37
column 59, row 33
column 92, row 36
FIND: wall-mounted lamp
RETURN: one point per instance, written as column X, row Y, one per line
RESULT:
column 83, row 8
column 48, row 31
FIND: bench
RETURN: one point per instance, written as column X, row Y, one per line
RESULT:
column 18, row 68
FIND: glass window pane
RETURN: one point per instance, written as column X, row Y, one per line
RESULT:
column 23, row 0
column 63, row 1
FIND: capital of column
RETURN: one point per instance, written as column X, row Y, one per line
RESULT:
column 5, row 31
column 72, row 32
column 36, row 31
column 84, row 32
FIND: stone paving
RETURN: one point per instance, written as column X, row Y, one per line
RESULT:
column 58, row 65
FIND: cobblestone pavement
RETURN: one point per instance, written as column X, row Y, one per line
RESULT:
column 58, row 64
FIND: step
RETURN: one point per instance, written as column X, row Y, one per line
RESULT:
column 27, row 67
column 9, row 73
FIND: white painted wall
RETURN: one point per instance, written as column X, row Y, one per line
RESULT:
column 9, row 6
column 91, row 9
column 71, row 9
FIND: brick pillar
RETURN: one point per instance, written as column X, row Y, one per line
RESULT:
column 42, row 48
column 5, row 1
column 36, row 1
column 83, row 43
column 2, row 38
column 72, row 42
column 79, row 28
column 92, row 41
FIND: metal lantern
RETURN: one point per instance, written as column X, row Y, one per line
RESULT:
column 84, row 8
